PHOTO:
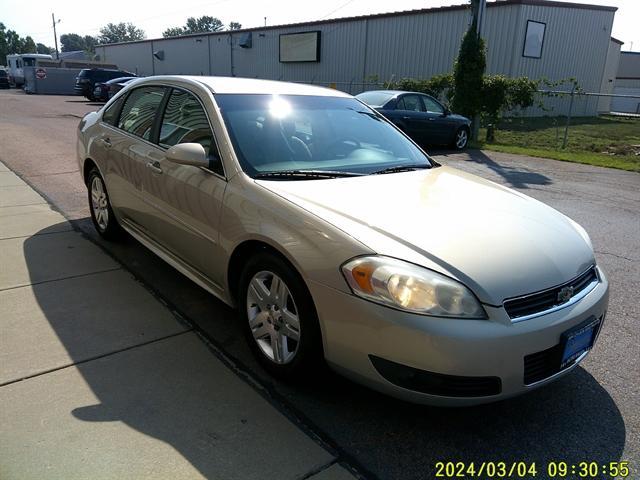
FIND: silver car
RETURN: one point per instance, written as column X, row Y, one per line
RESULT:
column 338, row 239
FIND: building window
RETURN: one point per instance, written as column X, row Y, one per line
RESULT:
column 534, row 39
column 300, row 47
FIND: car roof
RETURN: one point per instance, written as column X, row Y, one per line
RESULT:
column 97, row 69
column 120, row 79
column 393, row 92
column 247, row 85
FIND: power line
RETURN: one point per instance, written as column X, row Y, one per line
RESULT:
column 335, row 10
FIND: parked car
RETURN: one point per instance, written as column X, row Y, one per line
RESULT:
column 4, row 78
column 420, row 116
column 88, row 77
column 336, row 237
column 103, row 91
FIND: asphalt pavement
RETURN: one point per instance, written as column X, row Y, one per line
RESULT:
column 592, row 414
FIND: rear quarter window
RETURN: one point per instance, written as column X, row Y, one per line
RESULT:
column 111, row 113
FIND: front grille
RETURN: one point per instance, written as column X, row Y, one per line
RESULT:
column 436, row 383
column 541, row 301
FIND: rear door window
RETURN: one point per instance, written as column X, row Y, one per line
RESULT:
column 140, row 110
column 432, row 106
column 411, row 103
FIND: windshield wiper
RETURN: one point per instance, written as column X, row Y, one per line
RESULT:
column 306, row 174
column 401, row 168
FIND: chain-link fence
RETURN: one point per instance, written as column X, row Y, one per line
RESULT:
column 591, row 123
column 585, row 123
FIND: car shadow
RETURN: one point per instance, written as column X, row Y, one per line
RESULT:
column 572, row 420
column 515, row 177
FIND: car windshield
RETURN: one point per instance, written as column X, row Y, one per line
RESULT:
column 284, row 133
column 375, row 99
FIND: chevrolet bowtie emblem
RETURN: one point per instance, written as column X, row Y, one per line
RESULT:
column 565, row 294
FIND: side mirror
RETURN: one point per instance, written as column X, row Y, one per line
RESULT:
column 446, row 112
column 188, row 154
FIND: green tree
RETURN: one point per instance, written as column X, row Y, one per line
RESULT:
column 235, row 26
column 15, row 44
column 120, row 32
column 42, row 48
column 90, row 44
column 29, row 46
column 71, row 42
column 202, row 24
column 173, row 32
column 3, row 44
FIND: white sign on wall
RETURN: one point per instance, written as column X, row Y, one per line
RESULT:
column 300, row 47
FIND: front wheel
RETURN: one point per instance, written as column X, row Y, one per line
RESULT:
column 279, row 318
column 101, row 212
column 461, row 139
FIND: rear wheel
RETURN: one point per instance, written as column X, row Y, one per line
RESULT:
column 279, row 318
column 461, row 139
column 101, row 212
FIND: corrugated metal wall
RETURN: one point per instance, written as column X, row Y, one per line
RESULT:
column 609, row 76
column 629, row 65
column 412, row 45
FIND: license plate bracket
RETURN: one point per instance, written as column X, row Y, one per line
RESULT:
column 578, row 340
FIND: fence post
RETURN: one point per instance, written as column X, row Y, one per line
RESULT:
column 566, row 128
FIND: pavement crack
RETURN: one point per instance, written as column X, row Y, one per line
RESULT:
column 617, row 256
column 96, row 357
column 318, row 469
column 59, row 279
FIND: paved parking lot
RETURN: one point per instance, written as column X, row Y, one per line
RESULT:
column 591, row 415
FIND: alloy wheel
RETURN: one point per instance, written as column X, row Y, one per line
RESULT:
column 273, row 317
column 461, row 138
column 100, row 203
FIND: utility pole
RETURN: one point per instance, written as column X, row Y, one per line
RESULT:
column 55, row 35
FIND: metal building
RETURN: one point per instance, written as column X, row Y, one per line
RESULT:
column 533, row 38
column 627, row 82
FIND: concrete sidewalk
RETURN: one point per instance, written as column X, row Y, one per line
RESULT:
column 99, row 380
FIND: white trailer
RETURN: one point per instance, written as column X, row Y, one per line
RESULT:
column 16, row 63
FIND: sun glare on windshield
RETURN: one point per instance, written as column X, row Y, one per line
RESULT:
column 279, row 107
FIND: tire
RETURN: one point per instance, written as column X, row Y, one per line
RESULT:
column 460, row 139
column 104, row 220
column 283, row 333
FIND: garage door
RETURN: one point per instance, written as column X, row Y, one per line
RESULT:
column 626, row 105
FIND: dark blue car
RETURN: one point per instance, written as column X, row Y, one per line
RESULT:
column 420, row 116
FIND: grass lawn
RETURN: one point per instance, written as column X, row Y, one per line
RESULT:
column 606, row 141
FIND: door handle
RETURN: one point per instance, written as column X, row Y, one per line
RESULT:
column 406, row 118
column 431, row 119
column 154, row 166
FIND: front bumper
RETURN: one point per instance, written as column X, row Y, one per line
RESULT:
column 356, row 331
column 82, row 89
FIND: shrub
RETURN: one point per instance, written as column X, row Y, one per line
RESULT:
column 468, row 72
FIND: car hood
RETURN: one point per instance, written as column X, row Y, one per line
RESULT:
column 498, row 242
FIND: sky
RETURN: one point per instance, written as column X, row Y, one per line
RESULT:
column 33, row 17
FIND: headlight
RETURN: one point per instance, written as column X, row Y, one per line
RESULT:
column 411, row 288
